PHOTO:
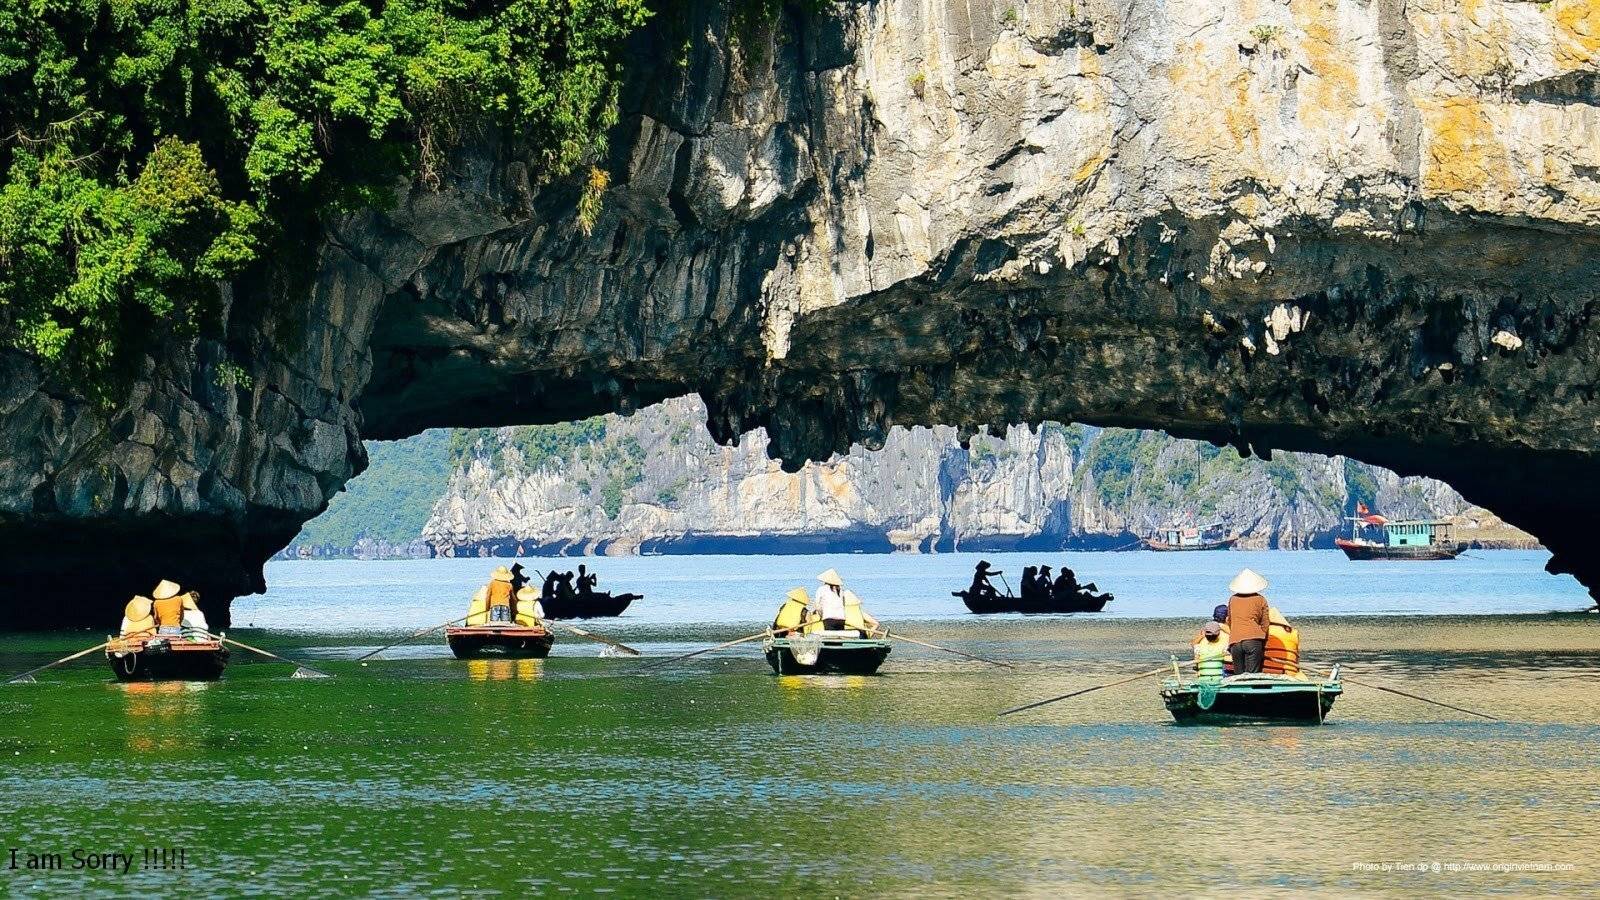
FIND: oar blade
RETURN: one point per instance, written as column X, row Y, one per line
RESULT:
column 303, row 672
column 23, row 679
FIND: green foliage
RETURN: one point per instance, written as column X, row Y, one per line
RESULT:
column 1266, row 34
column 1359, row 485
column 550, row 445
column 152, row 148
column 393, row 498
column 1283, row 475
column 1009, row 17
column 625, row 464
column 1123, row 463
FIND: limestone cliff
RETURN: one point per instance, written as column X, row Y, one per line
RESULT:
column 1358, row 226
column 655, row 482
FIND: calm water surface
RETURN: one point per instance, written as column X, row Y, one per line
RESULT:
column 421, row 774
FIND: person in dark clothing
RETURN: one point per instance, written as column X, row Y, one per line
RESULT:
column 1045, row 582
column 564, row 589
column 1030, row 584
column 980, row 581
column 519, row 578
column 586, row 581
column 548, row 592
column 1066, row 586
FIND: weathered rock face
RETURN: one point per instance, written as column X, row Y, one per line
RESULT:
column 655, row 482
column 1358, row 226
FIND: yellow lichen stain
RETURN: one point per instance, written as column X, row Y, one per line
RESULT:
column 1578, row 28
column 1089, row 167
column 1327, row 99
column 1215, row 118
column 1240, row 115
column 1463, row 155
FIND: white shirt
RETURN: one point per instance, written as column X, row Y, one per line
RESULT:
column 830, row 602
column 194, row 618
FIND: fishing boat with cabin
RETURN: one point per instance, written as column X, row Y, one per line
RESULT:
column 1376, row 537
column 1250, row 699
column 1191, row 537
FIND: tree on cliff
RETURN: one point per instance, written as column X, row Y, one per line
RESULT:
column 152, row 149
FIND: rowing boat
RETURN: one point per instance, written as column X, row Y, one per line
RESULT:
column 499, row 639
column 594, row 606
column 984, row 604
column 166, row 658
column 826, row 653
column 1251, row 699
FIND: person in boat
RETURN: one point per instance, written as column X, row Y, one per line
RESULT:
column 564, row 589
column 1219, row 618
column 828, row 604
column 548, row 592
column 795, row 614
column 1247, row 621
column 1045, row 584
column 167, row 608
column 586, row 581
column 1066, row 585
column 492, row 602
column 137, row 620
column 529, row 612
column 980, row 581
column 519, row 579
column 194, row 621
column 1211, row 653
column 1030, row 584
column 1283, row 646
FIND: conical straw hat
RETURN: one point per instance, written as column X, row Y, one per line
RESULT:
column 137, row 608
column 501, row 574
column 166, row 590
column 831, row 577
column 1247, row 582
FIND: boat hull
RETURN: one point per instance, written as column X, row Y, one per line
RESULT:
column 1362, row 551
column 1005, row 603
column 1250, row 700
column 1164, row 547
column 502, row 642
column 859, row 656
column 595, row 606
column 174, row 660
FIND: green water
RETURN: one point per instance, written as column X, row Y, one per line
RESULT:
column 576, row 773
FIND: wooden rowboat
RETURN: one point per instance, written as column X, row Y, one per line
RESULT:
column 499, row 640
column 825, row 654
column 1251, row 699
column 166, row 658
column 594, row 606
column 1365, row 550
column 1006, row 603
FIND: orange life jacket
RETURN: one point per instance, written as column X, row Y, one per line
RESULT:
column 168, row 612
column 1283, row 651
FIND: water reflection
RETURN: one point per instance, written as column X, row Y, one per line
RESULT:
column 505, row 669
column 163, row 715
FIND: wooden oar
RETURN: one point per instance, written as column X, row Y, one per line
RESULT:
column 659, row 663
column 593, row 637
column 299, row 667
column 993, row 662
column 411, row 637
column 1379, row 687
column 27, row 677
column 1090, row 690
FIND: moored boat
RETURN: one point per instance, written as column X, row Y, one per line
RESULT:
column 1374, row 537
column 1251, row 699
column 594, row 606
column 984, row 604
column 166, row 658
column 1178, row 539
column 499, row 640
column 825, row 653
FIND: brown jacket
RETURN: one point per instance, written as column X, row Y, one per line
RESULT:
column 1247, row 617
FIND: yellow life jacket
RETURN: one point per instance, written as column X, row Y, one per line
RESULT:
column 478, row 611
column 793, row 610
column 853, row 617
column 1210, row 657
column 1283, row 651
